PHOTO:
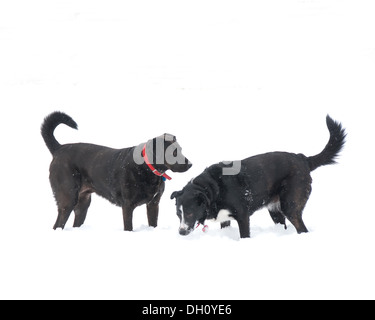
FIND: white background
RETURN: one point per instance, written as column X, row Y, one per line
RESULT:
column 230, row 79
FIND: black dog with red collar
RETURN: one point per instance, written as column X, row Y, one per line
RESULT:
column 122, row 176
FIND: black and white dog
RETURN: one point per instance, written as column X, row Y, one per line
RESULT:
column 127, row 177
column 279, row 181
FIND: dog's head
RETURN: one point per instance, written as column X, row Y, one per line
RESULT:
column 173, row 157
column 164, row 153
column 192, row 207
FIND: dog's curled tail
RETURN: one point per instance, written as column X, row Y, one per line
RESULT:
column 49, row 125
column 332, row 149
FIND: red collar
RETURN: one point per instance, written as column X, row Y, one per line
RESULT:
column 152, row 168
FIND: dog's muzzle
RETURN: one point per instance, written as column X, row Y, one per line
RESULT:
column 184, row 231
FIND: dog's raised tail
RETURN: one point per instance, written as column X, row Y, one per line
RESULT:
column 332, row 149
column 49, row 125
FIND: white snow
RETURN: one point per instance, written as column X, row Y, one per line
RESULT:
column 230, row 79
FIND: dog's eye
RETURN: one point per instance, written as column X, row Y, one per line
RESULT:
column 175, row 153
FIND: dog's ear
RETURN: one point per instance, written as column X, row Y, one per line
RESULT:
column 176, row 194
column 202, row 198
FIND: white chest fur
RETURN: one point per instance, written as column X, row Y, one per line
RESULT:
column 223, row 215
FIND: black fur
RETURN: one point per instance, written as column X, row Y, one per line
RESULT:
column 280, row 181
column 49, row 125
column 77, row 170
column 333, row 147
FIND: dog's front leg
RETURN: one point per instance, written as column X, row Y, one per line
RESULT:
column 244, row 226
column 127, row 213
column 225, row 224
column 152, row 214
column 153, row 207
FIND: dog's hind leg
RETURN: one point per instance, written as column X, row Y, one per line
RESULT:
column 274, row 208
column 277, row 217
column 275, row 212
column 80, row 210
column 293, row 199
column 295, row 217
column 65, row 208
column 65, row 205
column 65, row 189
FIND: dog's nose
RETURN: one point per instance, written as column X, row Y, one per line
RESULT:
column 184, row 232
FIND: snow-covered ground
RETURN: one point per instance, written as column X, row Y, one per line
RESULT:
column 230, row 79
